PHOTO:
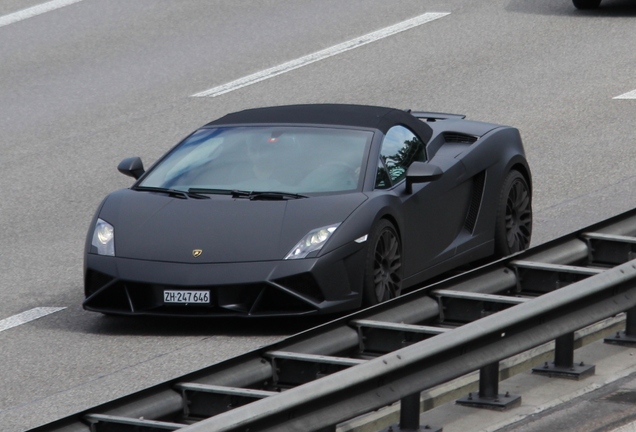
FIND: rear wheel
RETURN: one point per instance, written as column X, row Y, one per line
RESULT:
column 383, row 266
column 514, row 215
column 586, row 4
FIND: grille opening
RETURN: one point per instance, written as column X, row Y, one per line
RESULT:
column 273, row 300
column 94, row 281
column 113, row 299
column 304, row 284
column 235, row 300
column 238, row 298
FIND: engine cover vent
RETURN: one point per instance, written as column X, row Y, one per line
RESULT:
column 459, row 138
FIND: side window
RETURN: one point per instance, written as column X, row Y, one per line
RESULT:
column 400, row 148
column 382, row 177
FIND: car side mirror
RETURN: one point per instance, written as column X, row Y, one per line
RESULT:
column 132, row 167
column 421, row 172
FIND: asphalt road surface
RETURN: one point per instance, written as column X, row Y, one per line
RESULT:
column 84, row 85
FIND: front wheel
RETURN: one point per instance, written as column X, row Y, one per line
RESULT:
column 513, row 227
column 383, row 265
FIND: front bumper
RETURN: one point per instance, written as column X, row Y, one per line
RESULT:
column 331, row 283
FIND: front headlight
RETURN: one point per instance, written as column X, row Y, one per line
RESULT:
column 104, row 238
column 313, row 241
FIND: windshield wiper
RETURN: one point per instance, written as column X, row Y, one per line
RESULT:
column 211, row 191
column 271, row 195
column 252, row 195
column 172, row 192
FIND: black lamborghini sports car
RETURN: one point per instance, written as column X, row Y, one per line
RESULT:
column 306, row 209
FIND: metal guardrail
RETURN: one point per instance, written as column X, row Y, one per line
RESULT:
column 394, row 351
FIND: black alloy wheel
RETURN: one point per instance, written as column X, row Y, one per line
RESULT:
column 514, row 215
column 383, row 269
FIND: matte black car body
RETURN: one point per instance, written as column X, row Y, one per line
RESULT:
column 446, row 212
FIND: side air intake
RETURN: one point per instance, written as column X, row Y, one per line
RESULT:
column 475, row 201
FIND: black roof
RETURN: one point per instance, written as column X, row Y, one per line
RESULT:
column 374, row 117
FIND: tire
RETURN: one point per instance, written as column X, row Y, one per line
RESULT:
column 383, row 265
column 586, row 4
column 513, row 228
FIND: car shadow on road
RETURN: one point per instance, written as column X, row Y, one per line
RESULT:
column 608, row 8
column 177, row 326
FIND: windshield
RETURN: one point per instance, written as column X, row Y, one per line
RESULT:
column 282, row 159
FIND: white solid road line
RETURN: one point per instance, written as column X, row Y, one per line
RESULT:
column 627, row 428
column 628, row 95
column 35, row 10
column 25, row 317
column 321, row 55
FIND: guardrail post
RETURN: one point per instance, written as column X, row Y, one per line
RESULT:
column 564, row 351
column 628, row 336
column 563, row 365
column 410, row 417
column 410, row 412
column 489, row 381
column 488, row 396
column 327, row 429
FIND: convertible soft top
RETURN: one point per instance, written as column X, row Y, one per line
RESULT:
column 373, row 117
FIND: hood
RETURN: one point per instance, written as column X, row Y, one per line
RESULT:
column 157, row 227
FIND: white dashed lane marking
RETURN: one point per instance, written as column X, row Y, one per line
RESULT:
column 321, row 55
column 628, row 95
column 25, row 317
column 34, row 11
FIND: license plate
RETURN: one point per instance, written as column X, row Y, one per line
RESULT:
column 185, row 297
